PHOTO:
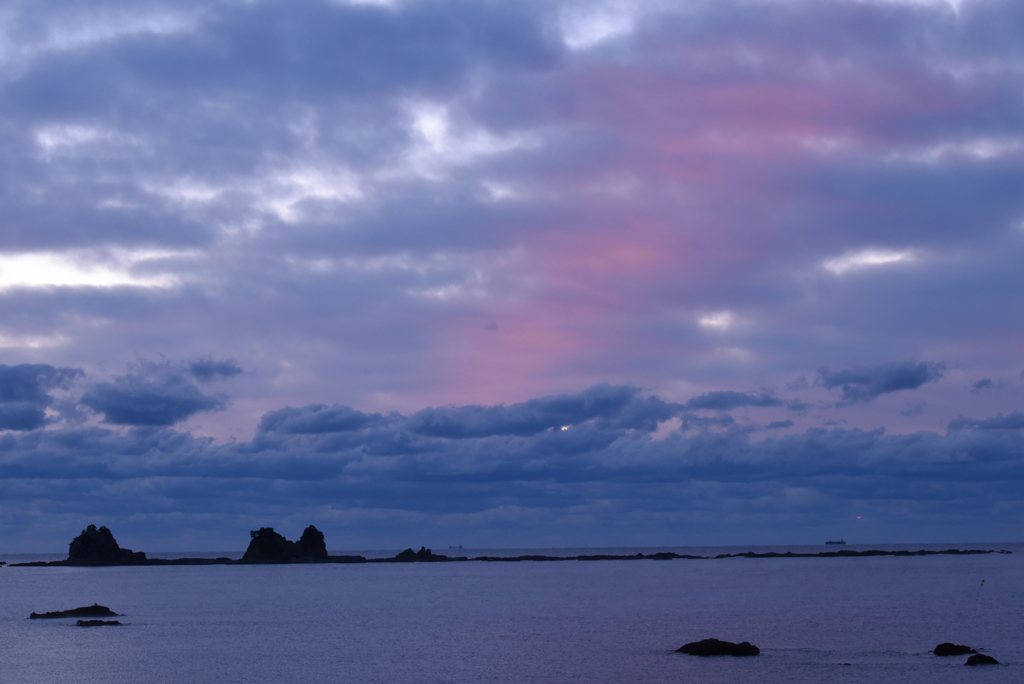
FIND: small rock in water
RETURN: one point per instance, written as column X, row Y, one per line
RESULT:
column 716, row 647
column 96, row 623
column 948, row 649
column 981, row 659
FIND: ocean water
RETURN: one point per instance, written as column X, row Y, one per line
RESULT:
column 816, row 620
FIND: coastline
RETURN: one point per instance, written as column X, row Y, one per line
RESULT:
column 441, row 558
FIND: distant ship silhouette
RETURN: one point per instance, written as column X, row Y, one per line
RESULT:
column 841, row 541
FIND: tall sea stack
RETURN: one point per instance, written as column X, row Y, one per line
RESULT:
column 98, row 547
column 311, row 544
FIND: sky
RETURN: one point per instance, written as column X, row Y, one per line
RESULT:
column 511, row 274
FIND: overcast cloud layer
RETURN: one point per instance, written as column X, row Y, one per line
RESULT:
column 511, row 272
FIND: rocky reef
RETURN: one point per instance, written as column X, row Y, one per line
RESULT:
column 97, row 623
column 981, row 659
column 716, row 647
column 98, row 547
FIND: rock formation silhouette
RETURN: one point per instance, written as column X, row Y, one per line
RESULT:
column 98, row 547
column 93, row 611
column 716, row 647
column 950, row 649
column 267, row 545
column 424, row 554
column 311, row 544
column 97, row 623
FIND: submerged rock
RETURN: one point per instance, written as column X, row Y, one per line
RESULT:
column 93, row 611
column 98, row 547
column 97, row 623
column 981, row 659
column 948, row 649
column 716, row 647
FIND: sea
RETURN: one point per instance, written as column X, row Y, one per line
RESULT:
column 866, row 620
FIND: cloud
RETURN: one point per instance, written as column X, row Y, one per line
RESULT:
column 598, row 476
column 726, row 400
column 863, row 384
column 206, row 370
column 25, row 393
column 608, row 405
column 1012, row 421
column 18, row 415
column 316, row 419
column 153, row 395
column 983, row 384
column 914, row 409
column 455, row 204
column 866, row 259
column 31, row 383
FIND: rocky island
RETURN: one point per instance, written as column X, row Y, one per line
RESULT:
column 98, row 547
column 93, row 611
column 717, row 647
column 266, row 545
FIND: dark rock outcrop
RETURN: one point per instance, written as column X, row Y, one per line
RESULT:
column 311, row 544
column 266, row 545
column 981, row 659
column 948, row 649
column 715, row 647
column 424, row 554
column 93, row 611
column 96, row 623
column 98, row 547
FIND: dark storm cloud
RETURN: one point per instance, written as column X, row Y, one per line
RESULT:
column 31, row 383
column 618, row 407
column 153, row 395
column 593, row 467
column 725, row 400
column 206, row 370
column 316, row 419
column 25, row 393
column 332, row 458
column 17, row 415
column 863, row 384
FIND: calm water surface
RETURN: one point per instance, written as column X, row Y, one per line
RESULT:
column 601, row 621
